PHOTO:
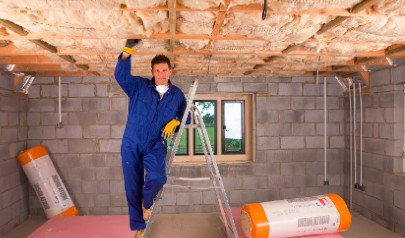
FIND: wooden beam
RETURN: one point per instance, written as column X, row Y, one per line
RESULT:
column 14, row 27
column 172, row 28
column 45, row 45
column 365, row 77
column 64, row 73
column 331, row 24
column 363, row 5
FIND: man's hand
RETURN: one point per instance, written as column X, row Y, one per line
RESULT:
column 132, row 42
column 169, row 128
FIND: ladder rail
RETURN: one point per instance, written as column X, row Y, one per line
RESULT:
column 215, row 176
column 204, row 132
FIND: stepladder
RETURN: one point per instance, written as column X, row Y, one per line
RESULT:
column 214, row 178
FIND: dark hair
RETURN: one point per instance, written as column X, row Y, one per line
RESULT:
column 158, row 59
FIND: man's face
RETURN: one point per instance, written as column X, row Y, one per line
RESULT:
column 161, row 72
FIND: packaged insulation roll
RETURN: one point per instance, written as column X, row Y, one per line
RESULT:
column 45, row 180
column 296, row 217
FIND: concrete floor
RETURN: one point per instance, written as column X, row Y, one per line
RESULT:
column 204, row 225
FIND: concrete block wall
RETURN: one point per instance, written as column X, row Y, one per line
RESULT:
column 289, row 141
column 383, row 157
column 13, row 135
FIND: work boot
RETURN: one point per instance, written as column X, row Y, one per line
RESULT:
column 147, row 213
column 139, row 233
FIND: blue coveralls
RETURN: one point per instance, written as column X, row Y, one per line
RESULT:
column 143, row 147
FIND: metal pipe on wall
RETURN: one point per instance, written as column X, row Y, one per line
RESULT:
column 325, row 129
column 351, row 143
column 60, row 124
column 361, row 135
column 354, row 134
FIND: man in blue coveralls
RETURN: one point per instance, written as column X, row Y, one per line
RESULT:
column 156, row 107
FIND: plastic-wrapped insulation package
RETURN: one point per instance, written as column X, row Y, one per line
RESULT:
column 45, row 180
column 296, row 217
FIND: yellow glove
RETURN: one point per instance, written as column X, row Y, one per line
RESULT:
column 169, row 128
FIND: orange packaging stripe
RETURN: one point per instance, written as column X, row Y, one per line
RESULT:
column 261, row 228
column 345, row 216
column 71, row 211
column 29, row 155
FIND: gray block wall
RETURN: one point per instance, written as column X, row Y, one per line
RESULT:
column 383, row 161
column 289, row 143
column 13, row 135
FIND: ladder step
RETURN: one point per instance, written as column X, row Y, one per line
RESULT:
column 189, row 178
column 192, row 126
column 191, row 187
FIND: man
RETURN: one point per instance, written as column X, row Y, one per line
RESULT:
column 156, row 107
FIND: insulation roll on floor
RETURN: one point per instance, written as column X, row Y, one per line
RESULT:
column 296, row 217
column 46, row 182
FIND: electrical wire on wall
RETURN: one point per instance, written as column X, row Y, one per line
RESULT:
column 325, row 114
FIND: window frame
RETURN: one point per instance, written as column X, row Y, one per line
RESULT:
column 242, row 151
column 195, row 133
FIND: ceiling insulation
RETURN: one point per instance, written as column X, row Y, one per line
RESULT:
column 230, row 35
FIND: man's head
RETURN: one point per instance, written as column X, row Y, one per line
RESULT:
column 161, row 69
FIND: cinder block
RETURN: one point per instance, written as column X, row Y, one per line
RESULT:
column 304, row 180
column 397, row 75
column 82, row 118
column 307, row 155
column 113, row 118
column 291, row 116
column 373, row 115
column 4, row 119
column 68, row 132
column 314, row 116
column 81, row 90
column 278, row 156
column 254, row 182
column 254, row 87
column 334, row 90
column 44, row 80
column 51, row 118
column 71, row 104
column 266, row 116
column 336, row 115
column 303, row 103
column 303, row 79
column 315, row 142
column 89, row 186
column 281, row 103
column 112, row 145
column 169, row 198
column 230, row 87
column 292, row 142
column 227, row 79
column 266, row 169
column 34, row 91
column 82, row 145
column 394, row 147
column 303, row 129
column 337, row 142
column 290, row 89
column 14, row 118
column 381, row 77
column 117, row 131
column 101, row 90
column 286, row 193
column 41, row 105
column 267, row 143
column 313, row 90
column 280, row 181
column 293, row 169
column 9, row 134
column 97, row 79
column 96, row 131
column 117, row 186
column 52, row 91
column 40, row 132
column 84, row 200
column 387, row 99
column 332, row 103
column 119, row 104
column 95, row 104
column 273, row 129
column 272, row 89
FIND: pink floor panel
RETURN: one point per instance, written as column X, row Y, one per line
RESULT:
column 106, row 227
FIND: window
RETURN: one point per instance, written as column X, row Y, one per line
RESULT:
column 228, row 120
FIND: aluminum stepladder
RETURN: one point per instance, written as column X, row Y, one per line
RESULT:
column 215, row 177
